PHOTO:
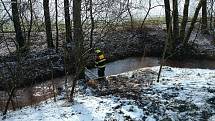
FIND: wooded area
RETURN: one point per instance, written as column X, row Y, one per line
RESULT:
column 72, row 29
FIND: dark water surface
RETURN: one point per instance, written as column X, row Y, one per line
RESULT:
column 33, row 95
column 134, row 63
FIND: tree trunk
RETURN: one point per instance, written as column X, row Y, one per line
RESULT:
column 92, row 23
column 204, row 16
column 168, row 23
column 167, row 14
column 9, row 100
column 175, row 23
column 130, row 15
column 78, row 38
column 49, row 39
column 164, row 53
column 56, row 25
column 16, row 20
column 214, row 21
column 67, row 21
column 187, row 37
column 184, row 19
column 211, row 14
column 31, row 23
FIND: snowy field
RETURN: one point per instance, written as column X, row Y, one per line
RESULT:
column 181, row 94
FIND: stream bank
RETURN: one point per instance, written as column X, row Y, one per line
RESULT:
column 39, row 64
column 182, row 94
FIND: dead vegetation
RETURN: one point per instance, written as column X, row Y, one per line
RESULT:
column 127, row 87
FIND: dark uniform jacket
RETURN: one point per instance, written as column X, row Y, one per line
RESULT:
column 100, row 59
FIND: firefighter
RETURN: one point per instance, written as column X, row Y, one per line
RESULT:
column 100, row 64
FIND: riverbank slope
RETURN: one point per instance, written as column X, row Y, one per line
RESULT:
column 181, row 94
column 40, row 64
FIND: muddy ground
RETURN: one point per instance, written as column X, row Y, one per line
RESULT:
column 170, row 100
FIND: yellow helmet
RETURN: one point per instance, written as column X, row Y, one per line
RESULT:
column 97, row 50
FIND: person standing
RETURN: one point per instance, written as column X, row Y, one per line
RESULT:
column 100, row 62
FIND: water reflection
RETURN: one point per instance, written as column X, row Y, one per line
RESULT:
column 128, row 64
column 134, row 63
column 40, row 92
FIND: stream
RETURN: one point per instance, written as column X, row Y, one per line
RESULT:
column 37, row 93
column 133, row 63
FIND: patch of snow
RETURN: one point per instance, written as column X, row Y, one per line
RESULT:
column 212, row 118
column 133, row 111
column 150, row 118
column 191, row 80
column 180, row 93
column 84, row 108
column 179, row 87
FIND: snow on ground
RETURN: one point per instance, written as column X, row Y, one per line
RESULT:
column 192, row 84
column 193, row 87
column 84, row 108
column 181, row 94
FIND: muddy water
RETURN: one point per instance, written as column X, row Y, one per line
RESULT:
column 134, row 63
column 33, row 95
column 128, row 64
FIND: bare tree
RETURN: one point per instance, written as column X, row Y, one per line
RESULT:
column 48, row 24
column 67, row 21
column 130, row 15
column 175, row 22
column 56, row 24
column 147, row 12
column 78, row 38
column 211, row 12
column 168, row 23
column 193, row 21
column 16, row 21
column 92, row 23
column 204, row 17
column 16, row 75
column 31, row 22
column 184, row 19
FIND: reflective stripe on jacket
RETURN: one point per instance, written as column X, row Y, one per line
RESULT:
column 100, row 60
